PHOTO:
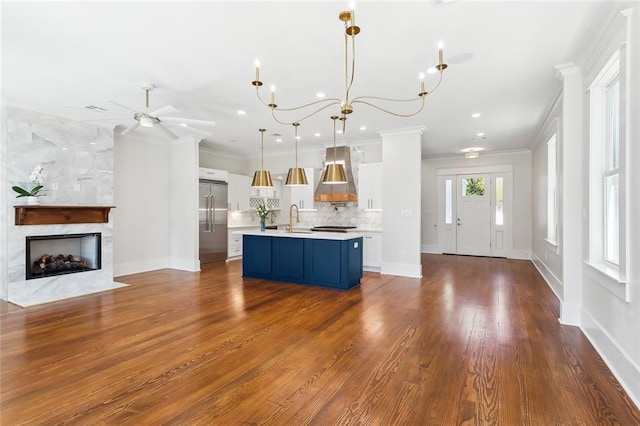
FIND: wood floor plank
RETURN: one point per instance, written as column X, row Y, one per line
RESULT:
column 476, row 341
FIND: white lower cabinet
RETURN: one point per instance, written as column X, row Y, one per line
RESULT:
column 372, row 251
column 234, row 246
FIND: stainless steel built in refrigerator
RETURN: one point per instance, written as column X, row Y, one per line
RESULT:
column 213, row 221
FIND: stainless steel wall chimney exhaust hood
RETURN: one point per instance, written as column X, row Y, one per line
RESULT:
column 337, row 193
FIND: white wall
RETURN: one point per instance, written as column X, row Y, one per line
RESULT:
column 141, row 216
column 546, row 257
column 522, row 207
column 215, row 160
column 611, row 323
column 156, row 198
column 608, row 311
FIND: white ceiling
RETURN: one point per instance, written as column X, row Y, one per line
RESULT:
column 200, row 56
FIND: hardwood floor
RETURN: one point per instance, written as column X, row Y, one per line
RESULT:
column 475, row 342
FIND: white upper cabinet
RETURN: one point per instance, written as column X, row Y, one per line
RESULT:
column 272, row 192
column 213, row 174
column 370, row 186
column 238, row 197
column 302, row 196
column 271, row 196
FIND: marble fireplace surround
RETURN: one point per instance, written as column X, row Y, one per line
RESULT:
column 78, row 158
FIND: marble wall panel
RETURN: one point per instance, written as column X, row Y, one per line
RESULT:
column 78, row 159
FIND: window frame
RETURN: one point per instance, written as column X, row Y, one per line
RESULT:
column 601, row 169
column 552, row 191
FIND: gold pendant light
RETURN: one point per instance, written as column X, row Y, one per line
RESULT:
column 296, row 175
column 262, row 177
column 334, row 173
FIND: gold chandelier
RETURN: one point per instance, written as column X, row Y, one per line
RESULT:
column 346, row 103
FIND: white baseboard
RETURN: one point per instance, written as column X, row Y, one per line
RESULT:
column 522, row 254
column 550, row 278
column 513, row 253
column 401, row 269
column 619, row 362
column 429, row 248
column 128, row 268
column 185, row 264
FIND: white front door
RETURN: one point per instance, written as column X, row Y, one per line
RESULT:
column 473, row 214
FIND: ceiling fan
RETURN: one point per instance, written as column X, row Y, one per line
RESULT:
column 157, row 118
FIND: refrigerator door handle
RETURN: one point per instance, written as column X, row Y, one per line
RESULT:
column 213, row 213
column 207, row 224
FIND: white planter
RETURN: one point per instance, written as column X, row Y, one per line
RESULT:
column 31, row 201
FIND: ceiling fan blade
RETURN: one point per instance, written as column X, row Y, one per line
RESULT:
column 188, row 121
column 167, row 132
column 130, row 128
column 168, row 109
column 122, row 106
column 101, row 119
column 98, row 110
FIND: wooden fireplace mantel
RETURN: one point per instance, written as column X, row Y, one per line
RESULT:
column 56, row 215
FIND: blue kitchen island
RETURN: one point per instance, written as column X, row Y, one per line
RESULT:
column 325, row 259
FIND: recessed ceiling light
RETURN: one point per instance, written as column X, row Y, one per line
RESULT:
column 183, row 124
column 338, row 131
column 476, row 115
column 363, row 127
column 242, row 112
column 317, row 134
column 480, row 134
column 432, row 70
column 320, row 95
column 278, row 140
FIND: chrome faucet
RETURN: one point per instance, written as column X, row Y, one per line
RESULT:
column 290, row 225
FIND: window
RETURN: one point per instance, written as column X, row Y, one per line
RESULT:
column 607, row 175
column 610, row 174
column 448, row 202
column 552, row 191
column 472, row 187
column 499, row 201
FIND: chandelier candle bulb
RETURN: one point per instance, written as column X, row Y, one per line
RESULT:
column 440, row 55
column 257, row 70
column 273, row 95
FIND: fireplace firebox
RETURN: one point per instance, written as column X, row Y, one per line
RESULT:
column 49, row 255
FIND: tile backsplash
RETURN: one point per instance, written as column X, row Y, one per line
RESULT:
column 325, row 214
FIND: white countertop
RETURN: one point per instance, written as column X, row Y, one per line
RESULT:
column 341, row 236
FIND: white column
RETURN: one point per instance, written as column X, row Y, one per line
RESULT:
column 401, row 174
column 571, row 188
